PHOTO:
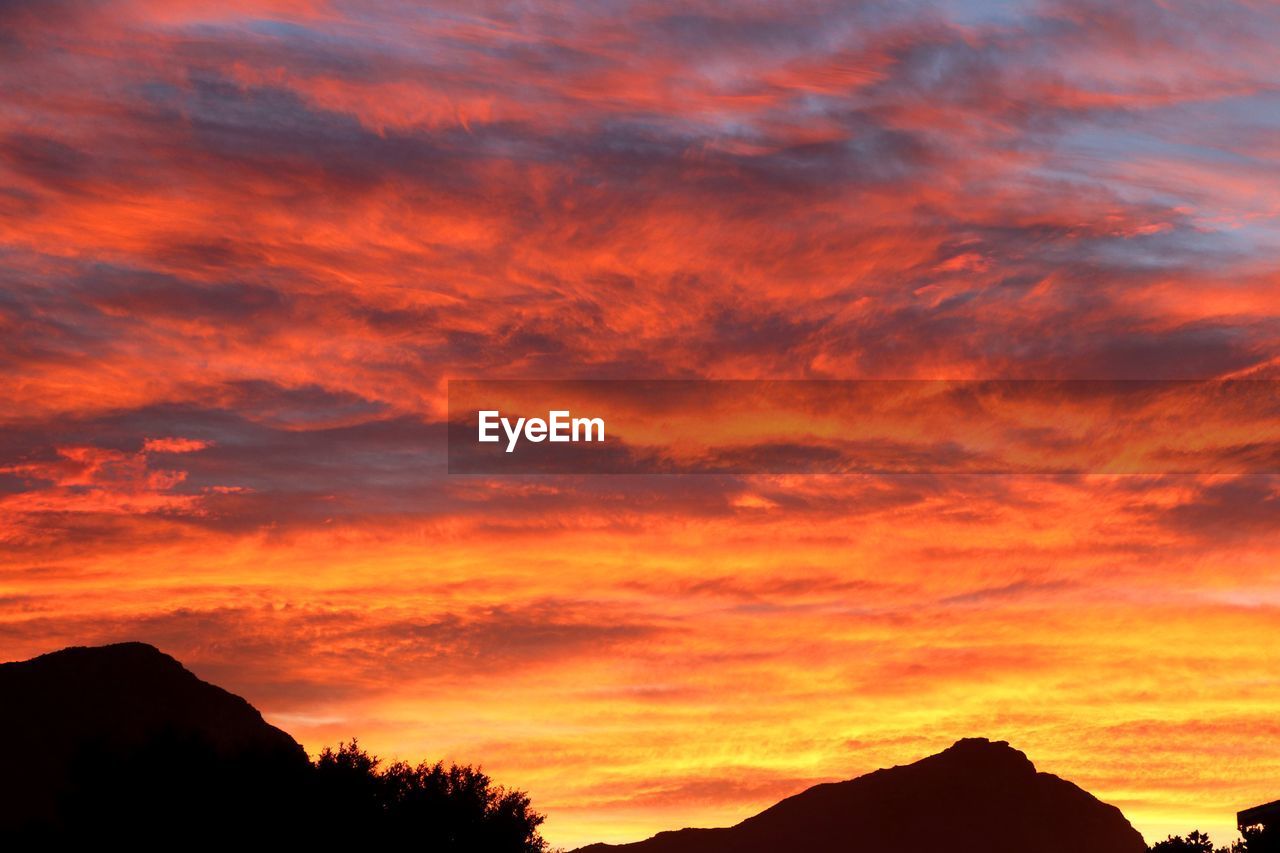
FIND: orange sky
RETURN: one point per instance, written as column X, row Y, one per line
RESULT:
column 244, row 245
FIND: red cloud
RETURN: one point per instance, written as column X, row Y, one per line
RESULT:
column 174, row 445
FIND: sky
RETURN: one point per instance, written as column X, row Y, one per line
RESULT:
column 244, row 246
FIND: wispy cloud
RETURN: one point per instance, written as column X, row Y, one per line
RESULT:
column 244, row 245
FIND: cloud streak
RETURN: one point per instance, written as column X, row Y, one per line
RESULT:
column 243, row 246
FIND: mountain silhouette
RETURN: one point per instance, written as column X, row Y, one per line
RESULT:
column 125, row 740
column 120, row 745
column 977, row 796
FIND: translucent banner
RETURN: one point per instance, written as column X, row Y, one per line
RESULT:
column 863, row 426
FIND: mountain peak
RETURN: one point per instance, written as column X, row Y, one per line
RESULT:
column 96, row 708
column 976, row 796
column 129, row 651
column 981, row 744
column 126, row 648
column 122, row 689
column 983, row 755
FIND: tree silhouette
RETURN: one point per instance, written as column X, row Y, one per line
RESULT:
column 434, row 807
column 175, row 790
column 1197, row 842
column 1260, row 839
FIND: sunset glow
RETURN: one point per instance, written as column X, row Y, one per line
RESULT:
column 245, row 245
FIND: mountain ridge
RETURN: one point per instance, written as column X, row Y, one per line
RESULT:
column 977, row 796
column 99, row 721
column 103, row 726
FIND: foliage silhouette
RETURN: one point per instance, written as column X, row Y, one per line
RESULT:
column 1195, row 842
column 174, row 790
column 1256, row 839
column 454, row 808
column 1260, row 839
column 122, row 744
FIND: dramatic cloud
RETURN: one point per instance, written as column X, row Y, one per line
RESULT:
column 244, row 245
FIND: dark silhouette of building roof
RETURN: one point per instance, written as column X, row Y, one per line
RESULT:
column 1267, row 814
